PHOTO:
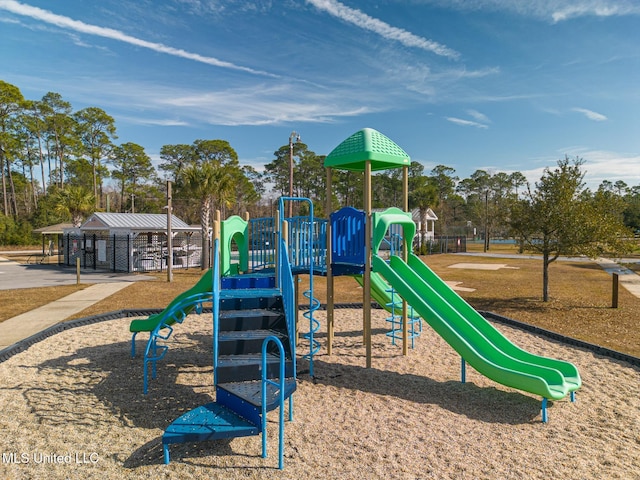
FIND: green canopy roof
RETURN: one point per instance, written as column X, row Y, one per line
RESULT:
column 367, row 144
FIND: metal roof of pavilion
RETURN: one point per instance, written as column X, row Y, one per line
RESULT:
column 57, row 229
column 137, row 222
column 367, row 144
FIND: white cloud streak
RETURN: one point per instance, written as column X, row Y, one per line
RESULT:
column 67, row 23
column 366, row 22
column 265, row 103
column 466, row 123
column 552, row 10
column 591, row 115
column 478, row 116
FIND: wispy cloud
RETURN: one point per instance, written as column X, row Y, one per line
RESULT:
column 552, row 10
column 480, row 120
column 265, row 103
column 362, row 20
column 466, row 123
column 591, row 115
column 594, row 8
column 479, row 117
column 67, row 23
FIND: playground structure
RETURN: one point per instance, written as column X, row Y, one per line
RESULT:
column 254, row 302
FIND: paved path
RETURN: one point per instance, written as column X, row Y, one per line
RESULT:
column 16, row 276
column 627, row 278
column 34, row 321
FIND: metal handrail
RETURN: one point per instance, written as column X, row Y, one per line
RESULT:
column 281, row 396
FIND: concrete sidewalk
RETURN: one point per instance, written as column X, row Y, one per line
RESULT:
column 29, row 323
column 627, row 278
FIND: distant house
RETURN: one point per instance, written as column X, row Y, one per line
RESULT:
column 430, row 227
column 131, row 242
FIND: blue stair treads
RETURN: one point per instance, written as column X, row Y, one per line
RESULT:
column 239, row 342
column 207, row 422
column 249, row 293
column 251, row 392
column 248, row 302
column 253, row 319
column 240, row 368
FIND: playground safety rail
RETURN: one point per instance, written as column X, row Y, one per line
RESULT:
column 301, row 240
column 262, row 243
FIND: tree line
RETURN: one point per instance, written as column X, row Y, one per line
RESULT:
column 59, row 164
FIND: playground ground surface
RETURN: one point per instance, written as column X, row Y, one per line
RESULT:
column 73, row 408
column 78, row 395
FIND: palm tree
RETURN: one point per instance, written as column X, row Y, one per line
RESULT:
column 75, row 202
column 212, row 186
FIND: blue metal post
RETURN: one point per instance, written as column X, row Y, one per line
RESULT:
column 463, row 370
column 545, row 417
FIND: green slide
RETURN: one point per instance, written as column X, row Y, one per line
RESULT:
column 480, row 344
column 184, row 302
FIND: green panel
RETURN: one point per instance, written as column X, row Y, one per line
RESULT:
column 234, row 228
column 367, row 144
column 475, row 339
column 391, row 216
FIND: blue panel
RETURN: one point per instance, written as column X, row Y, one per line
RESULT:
column 348, row 236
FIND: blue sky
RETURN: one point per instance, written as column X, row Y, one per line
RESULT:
column 500, row 85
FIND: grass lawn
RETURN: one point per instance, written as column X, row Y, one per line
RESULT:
column 579, row 306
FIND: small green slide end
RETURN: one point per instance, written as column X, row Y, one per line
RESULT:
column 182, row 301
column 480, row 344
column 380, row 293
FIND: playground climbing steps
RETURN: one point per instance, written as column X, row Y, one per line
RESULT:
column 252, row 335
